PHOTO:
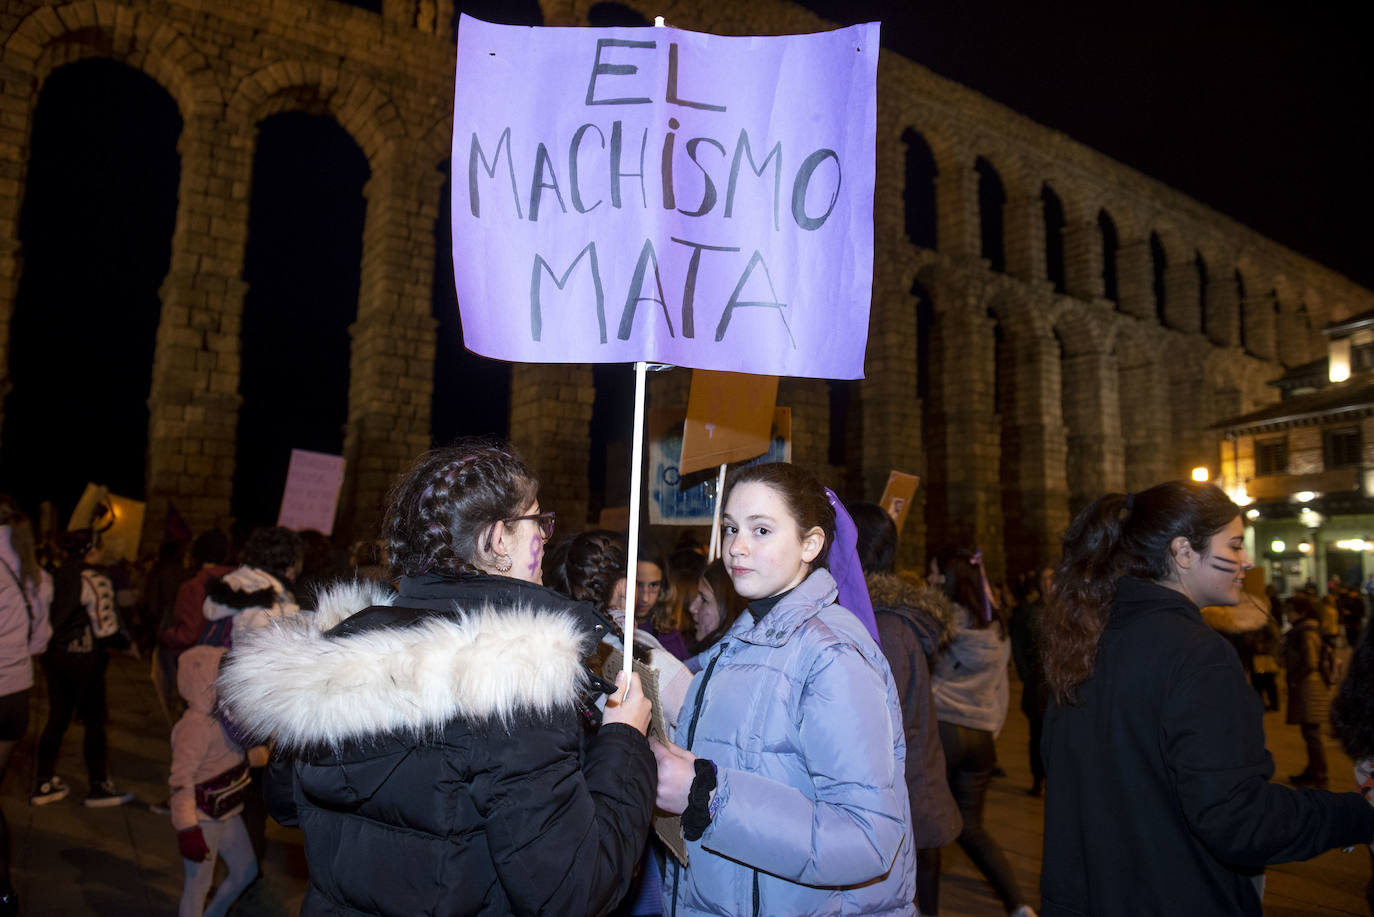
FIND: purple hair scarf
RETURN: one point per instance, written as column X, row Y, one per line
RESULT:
column 845, row 568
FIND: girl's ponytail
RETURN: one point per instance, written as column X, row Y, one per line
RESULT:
column 1084, row 585
column 1114, row 536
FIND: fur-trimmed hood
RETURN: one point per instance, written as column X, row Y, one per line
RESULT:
column 308, row 682
column 889, row 591
column 246, row 589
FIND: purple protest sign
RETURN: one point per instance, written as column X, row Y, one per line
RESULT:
column 675, row 197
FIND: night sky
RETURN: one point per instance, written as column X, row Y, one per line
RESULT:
column 1263, row 112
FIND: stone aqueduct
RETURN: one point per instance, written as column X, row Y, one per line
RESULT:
column 1045, row 377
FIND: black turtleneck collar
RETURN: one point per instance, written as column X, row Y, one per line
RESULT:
column 759, row 608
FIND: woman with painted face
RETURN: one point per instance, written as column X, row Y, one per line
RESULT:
column 1158, row 796
column 788, row 767
column 441, row 764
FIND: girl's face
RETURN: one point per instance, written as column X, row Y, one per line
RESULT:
column 705, row 610
column 648, row 587
column 765, row 551
column 1217, row 576
column 525, row 543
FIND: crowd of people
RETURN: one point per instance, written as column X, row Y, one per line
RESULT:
column 801, row 727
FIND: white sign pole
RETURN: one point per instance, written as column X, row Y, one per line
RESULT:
column 714, row 550
column 636, row 473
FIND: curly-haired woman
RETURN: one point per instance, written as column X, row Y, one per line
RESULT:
column 1159, row 798
column 441, row 765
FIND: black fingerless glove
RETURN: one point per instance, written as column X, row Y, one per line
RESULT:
column 697, row 815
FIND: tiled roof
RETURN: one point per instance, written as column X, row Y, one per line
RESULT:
column 1354, row 394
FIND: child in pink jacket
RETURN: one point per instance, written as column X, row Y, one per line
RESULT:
column 208, row 779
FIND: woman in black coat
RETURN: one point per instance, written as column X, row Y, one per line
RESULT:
column 442, row 762
column 1158, row 797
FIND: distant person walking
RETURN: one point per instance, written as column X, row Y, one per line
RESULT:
column 1309, row 694
column 209, row 780
column 971, row 691
column 84, row 621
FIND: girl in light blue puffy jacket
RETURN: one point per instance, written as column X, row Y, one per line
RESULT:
column 789, row 763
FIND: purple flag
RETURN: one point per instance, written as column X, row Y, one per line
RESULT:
column 653, row 194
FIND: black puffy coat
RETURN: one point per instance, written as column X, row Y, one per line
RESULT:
column 441, row 765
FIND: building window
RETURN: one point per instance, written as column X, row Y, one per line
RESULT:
column 1271, row 456
column 1362, row 358
column 1341, row 448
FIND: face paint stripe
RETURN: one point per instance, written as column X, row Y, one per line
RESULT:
column 1224, row 565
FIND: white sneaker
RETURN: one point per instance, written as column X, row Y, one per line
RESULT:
column 50, row 790
column 104, row 795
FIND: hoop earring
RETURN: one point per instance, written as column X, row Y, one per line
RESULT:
column 504, row 563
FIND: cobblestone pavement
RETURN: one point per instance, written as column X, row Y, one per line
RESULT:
column 70, row 860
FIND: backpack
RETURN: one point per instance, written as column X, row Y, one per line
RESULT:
column 67, row 614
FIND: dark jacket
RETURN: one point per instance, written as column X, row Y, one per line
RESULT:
column 1024, row 632
column 1309, row 696
column 1159, row 800
column 440, row 765
column 914, row 624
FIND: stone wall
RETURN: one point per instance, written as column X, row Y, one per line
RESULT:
column 1038, row 400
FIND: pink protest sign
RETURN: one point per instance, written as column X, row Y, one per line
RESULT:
column 676, row 197
column 311, row 496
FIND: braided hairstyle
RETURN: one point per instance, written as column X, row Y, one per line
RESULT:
column 442, row 510
column 591, row 565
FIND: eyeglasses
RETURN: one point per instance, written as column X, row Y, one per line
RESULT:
column 545, row 520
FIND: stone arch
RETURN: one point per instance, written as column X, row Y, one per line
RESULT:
column 1052, row 215
column 1089, row 402
column 1083, row 332
column 52, row 36
column 1244, row 332
column 992, row 198
column 948, row 153
column 1080, row 205
column 308, row 175
column 360, row 108
column 96, row 229
column 1159, row 262
column 918, row 190
column 435, row 143
column 1319, row 313
column 1203, row 278
column 1111, row 242
column 1144, row 398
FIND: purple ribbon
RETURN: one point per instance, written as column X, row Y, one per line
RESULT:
column 846, row 570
